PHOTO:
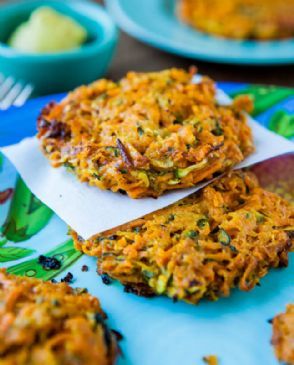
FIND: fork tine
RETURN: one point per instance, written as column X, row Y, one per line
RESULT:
column 10, row 97
column 5, row 86
column 12, row 92
column 24, row 95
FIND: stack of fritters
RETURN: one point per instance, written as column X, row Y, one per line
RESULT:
column 147, row 133
column 51, row 324
column 240, row 19
column 144, row 135
column 227, row 235
column 283, row 335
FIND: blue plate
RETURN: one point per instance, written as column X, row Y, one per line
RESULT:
column 154, row 22
column 156, row 331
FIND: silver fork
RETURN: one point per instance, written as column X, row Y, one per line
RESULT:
column 13, row 92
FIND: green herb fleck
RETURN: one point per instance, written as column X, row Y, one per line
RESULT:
column 100, row 239
column 55, row 302
column 98, row 177
column 192, row 234
column 68, row 166
column 260, row 218
column 223, row 237
column 137, row 229
column 201, row 223
column 147, row 274
column 114, row 150
column 102, row 96
column 140, row 131
column 178, row 119
column 117, row 102
column 217, row 131
column 233, row 249
column 170, row 218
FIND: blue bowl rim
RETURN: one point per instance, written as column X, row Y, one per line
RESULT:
column 110, row 34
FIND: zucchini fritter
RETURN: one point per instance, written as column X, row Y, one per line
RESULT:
column 147, row 133
column 240, row 19
column 51, row 324
column 227, row 235
column 283, row 335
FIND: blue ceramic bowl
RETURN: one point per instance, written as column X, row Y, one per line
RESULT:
column 65, row 70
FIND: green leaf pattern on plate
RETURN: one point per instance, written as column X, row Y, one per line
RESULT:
column 264, row 97
column 3, row 240
column 27, row 215
column 1, row 161
column 282, row 123
column 65, row 253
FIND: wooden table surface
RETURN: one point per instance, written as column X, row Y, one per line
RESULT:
column 133, row 55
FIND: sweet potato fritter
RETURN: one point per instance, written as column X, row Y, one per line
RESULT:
column 240, row 19
column 42, row 323
column 227, row 235
column 283, row 335
column 210, row 360
column 146, row 134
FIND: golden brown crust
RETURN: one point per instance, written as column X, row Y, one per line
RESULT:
column 283, row 335
column 51, row 324
column 146, row 134
column 240, row 19
column 227, row 235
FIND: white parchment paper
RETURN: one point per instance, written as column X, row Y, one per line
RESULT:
column 89, row 210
